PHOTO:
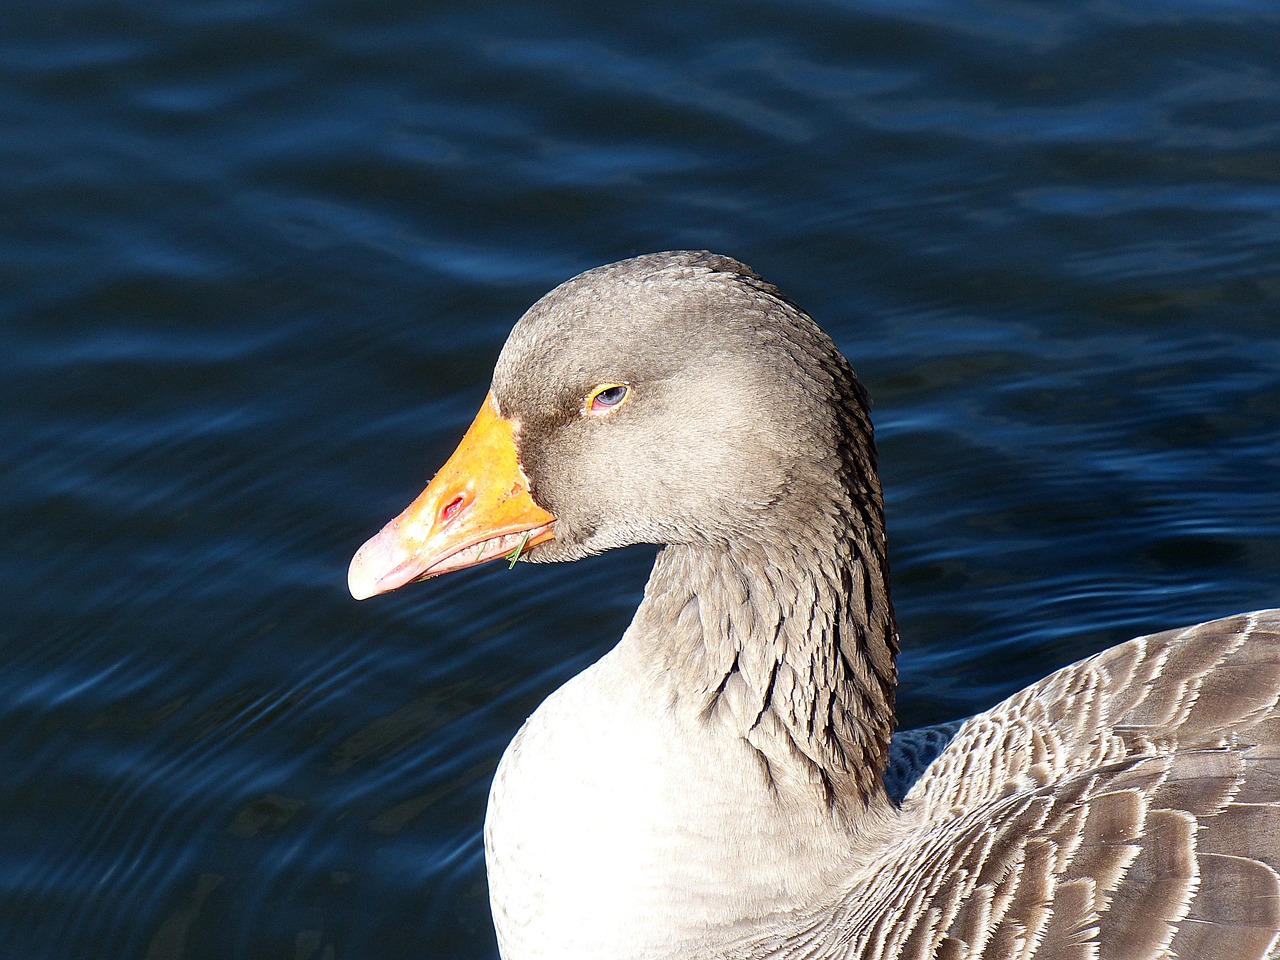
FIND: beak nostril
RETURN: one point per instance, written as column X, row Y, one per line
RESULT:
column 450, row 509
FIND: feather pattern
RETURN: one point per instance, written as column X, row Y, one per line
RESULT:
column 1124, row 808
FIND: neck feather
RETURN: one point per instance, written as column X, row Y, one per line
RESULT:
column 790, row 648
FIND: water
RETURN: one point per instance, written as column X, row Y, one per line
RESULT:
column 257, row 259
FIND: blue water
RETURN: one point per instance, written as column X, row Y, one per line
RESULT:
column 257, row 258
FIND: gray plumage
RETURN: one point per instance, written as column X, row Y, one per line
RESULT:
column 715, row 786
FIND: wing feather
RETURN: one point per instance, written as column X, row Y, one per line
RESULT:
column 1124, row 808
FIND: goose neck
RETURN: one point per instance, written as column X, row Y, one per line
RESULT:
column 791, row 650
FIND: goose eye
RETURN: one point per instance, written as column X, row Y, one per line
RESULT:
column 606, row 397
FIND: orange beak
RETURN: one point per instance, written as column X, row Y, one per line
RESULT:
column 476, row 508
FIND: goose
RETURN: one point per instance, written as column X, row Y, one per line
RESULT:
column 725, row 782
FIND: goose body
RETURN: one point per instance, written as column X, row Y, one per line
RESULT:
column 715, row 786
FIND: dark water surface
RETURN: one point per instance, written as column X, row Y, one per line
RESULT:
column 256, row 259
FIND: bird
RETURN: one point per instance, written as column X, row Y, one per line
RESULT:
column 726, row 781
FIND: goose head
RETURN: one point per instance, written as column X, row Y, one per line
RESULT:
column 674, row 398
